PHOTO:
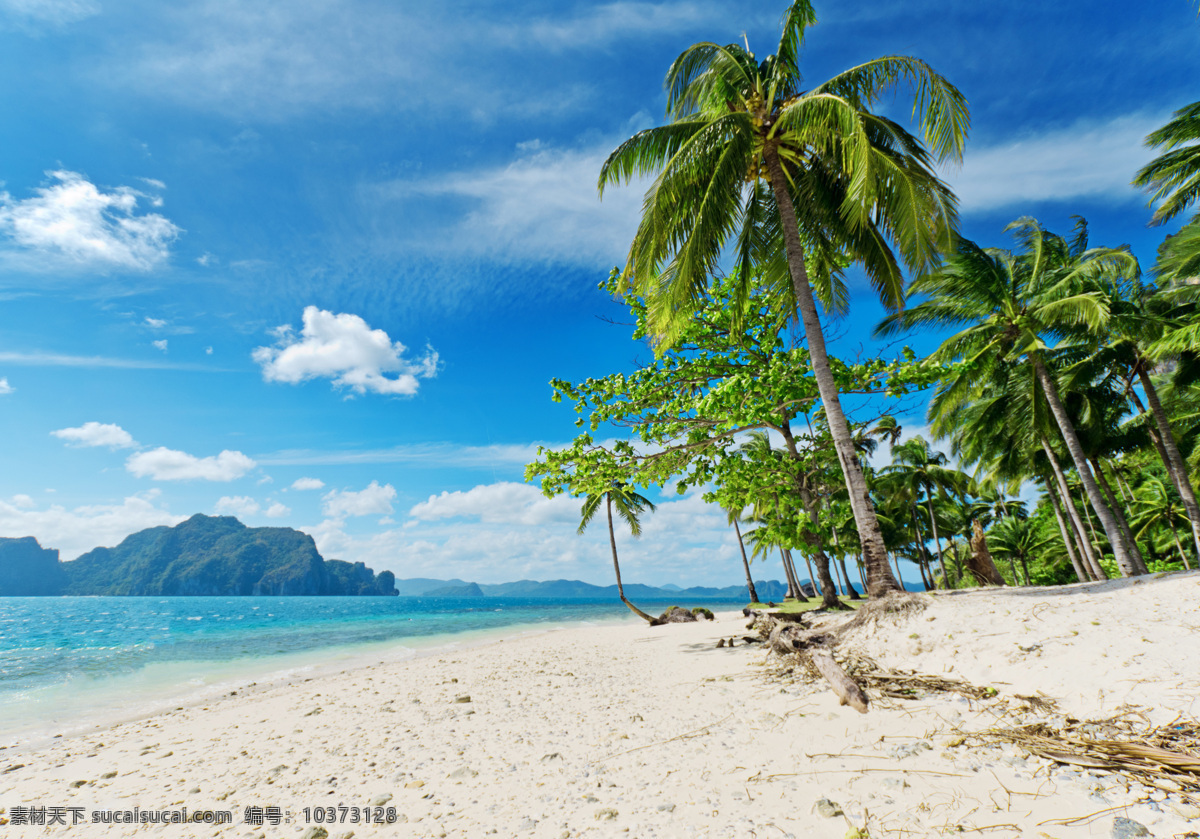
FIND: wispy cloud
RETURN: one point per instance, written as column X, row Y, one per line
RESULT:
column 1089, row 159
column 49, row 359
column 541, row 207
column 274, row 60
column 53, row 12
column 71, row 224
column 432, row 454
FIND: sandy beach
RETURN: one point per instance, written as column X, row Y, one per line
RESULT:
column 657, row 732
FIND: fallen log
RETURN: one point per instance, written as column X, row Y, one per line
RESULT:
column 812, row 644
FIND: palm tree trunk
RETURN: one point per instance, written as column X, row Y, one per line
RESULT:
column 1176, row 465
column 879, row 576
column 745, row 563
column 1068, row 542
column 789, row 573
column 899, row 576
column 858, row 563
column 850, row 591
column 612, row 540
column 1025, row 569
column 1178, row 546
column 1139, row 561
column 812, row 579
column 920, row 543
column 937, row 541
column 1125, row 561
column 1090, row 559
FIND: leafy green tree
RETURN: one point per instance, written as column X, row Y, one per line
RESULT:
column 1156, row 507
column 925, row 469
column 630, row 506
column 1017, row 539
column 1020, row 306
column 799, row 183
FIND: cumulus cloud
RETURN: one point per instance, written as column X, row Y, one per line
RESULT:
column 236, row 505
column 277, row 510
column 155, row 323
column 307, row 483
column 501, row 502
column 97, row 434
column 160, row 344
column 5, row 387
column 163, row 464
column 74, row 531
column 375, row 499
column 344, row 349
column 71, row 222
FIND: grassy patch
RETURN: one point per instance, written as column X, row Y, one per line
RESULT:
column 792, row 607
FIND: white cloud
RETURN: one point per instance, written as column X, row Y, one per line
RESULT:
column 499, row 503
column 347, row 351
column 542, row 206
column 24, row 502
column 160, row 344
column 375, row 499
column 236, row 505
column 163, row 464
column 56, row 12
column 277, row 510
column 155, row 323
column 497, row 532
column 72, row 223
column 75, row 531
column 208, row 350
column 97, row 434
column 5, row 387
column 307, row 483
column 49, row 359
column 1087, row 159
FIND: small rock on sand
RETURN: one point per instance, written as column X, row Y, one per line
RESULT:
column 1124, row 828
column 828, row 809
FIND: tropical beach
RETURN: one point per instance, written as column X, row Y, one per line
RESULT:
column 631, row 730
column 405, row 412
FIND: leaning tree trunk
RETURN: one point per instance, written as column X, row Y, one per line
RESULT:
column 1176, row 465
column 745, row 563
column 1125, row 560
column 1139, row 561
column 612, row 540
column 879, row 576
column 851, row 591
column 1090, row 560
column 1068, row 542
column 920, row 543
column 1178, row 546
column 789, row 575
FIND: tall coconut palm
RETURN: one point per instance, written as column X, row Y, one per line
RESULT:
column 1154, row 507
column 630, row 506
column 1019, row 306
column 733, row 517
column 1017, row 539
column 797, row 182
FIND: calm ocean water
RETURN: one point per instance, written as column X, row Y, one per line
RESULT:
column 67, row 663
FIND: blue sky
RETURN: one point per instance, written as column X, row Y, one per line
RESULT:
column 313, row 263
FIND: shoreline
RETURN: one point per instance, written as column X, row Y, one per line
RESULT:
column 619, row 730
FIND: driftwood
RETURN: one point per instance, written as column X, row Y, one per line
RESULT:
column 788, row 638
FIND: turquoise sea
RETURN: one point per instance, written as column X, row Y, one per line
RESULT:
column 69, row 663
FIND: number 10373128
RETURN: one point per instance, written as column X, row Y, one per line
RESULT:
column 349, row 815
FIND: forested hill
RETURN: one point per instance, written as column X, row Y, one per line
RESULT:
column 205, row 555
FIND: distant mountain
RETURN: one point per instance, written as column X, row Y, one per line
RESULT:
column 26, row 568
column 205, row 555
column 562, row 590
column 468, row 590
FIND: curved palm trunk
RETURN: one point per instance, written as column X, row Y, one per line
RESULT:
column 1139, row 561
column 937, row 541
column 1068, row 542
column 879, row 576
column 789, row 573
column 745, row 564
column 1178, row 546
column 920, row 543
column 849, row 591
column 1090, row 560
column 861, row 576
column 812, row 579
column 1116, row 538
column 1176, row 465
column 612, row 540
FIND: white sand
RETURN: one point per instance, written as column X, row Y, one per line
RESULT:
column 629, row 730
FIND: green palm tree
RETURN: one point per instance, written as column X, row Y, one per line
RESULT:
column 797, row 182
column 1017, row 539
column 1174, row 176
column 1155, row 506
column 1021, row 306
column 926, row 470
column 733, row 517
column 630, row 506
